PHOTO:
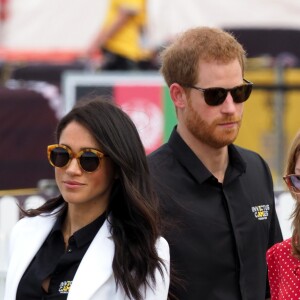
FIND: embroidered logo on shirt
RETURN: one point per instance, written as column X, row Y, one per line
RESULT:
column 64, row 287
column 261, row 212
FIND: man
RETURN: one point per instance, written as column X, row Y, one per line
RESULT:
column 217, row 196
column 120, row 36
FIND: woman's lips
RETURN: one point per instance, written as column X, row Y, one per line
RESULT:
column 72, row 184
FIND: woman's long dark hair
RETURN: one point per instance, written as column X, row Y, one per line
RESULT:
column 133, row 205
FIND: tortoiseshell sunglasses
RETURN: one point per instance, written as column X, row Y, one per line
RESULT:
column 88, row 159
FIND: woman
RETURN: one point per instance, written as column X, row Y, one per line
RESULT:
column 100, row 238
column 284, row 258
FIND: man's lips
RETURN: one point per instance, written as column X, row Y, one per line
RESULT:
column 229, row 124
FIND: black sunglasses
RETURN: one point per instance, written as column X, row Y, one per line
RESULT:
column 293, row 182
column 60, row 156
column 216, row 95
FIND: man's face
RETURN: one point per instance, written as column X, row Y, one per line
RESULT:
column 215, row 126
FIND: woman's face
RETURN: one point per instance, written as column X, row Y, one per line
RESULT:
column 296, row 179
column 79, row 188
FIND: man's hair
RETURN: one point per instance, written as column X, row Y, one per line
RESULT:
column 180, row 59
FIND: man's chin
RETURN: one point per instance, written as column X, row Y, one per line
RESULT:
column 225, row 139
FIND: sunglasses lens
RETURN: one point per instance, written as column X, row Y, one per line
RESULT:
column 215, row 96
column 59, row 157
column 241, row 93
column 295, row 182
column 89, row 161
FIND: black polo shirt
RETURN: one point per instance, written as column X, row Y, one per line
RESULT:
column 219, row 233
column 52, row 260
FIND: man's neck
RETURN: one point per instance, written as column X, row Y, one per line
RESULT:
column 214, row 159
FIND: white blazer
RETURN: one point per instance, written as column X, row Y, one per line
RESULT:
column 94, row 279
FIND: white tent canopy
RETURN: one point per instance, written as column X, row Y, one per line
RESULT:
column 72, row 24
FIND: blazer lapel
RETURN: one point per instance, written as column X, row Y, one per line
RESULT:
column 96, row 266
column 29, row 236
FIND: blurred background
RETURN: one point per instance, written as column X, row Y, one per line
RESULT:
column 45, row 69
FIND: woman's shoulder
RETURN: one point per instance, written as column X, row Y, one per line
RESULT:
column 26, row 223
column 282, row 248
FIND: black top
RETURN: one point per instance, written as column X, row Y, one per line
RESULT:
column 52, row 260
column 220, row 232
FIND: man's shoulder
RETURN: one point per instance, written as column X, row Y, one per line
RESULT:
column 160, row 155
column 245, row 151
column 249, row 155
column 256, row 167
column 162, row 161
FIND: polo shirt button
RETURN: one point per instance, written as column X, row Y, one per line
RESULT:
column 69, row 250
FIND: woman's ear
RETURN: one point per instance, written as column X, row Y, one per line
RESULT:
column 178, row 95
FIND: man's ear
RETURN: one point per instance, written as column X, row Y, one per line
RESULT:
column 178, row 95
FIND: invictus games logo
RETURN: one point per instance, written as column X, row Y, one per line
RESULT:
column 64, row 287
column 261, row 212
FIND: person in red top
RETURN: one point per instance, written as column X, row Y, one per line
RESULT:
column 283, row 258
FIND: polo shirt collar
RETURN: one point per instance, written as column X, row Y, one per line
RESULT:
column 236, row 159
column 188, row 159
column 83, row 235
column 87, row 233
